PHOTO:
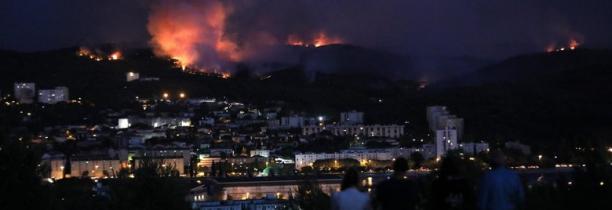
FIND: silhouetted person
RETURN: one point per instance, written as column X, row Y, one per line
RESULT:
column 397, row 192
column 500, row 188
column 350, row 197
column 452, row 190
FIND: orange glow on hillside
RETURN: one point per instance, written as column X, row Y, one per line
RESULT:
column 295, row 40
column 84, row 51
column 98, row 55
column 322, row 39
column 115, row 56
column 225, row 75
column 572, row 44
column 193, row 37
column 318, row 40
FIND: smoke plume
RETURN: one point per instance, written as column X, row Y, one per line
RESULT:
column 215, row 34
column 199, row 34
column 192, row 32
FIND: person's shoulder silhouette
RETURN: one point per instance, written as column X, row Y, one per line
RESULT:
column 397, row 192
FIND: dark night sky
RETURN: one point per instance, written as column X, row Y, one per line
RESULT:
column 447, row 27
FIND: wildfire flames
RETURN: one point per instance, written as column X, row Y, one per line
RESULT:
column 84, row 52
column 320, row 39
column 115, row 56
column 192, row 35
column 97, row 55
column 571, row 45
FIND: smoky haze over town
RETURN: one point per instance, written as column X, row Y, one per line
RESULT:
column 270, row 104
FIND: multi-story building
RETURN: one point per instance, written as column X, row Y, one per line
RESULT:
column 446, row 139
column 351, row 118
column 163, row 152
column 392, row 131
column 162, row 121
column 98, row 165
column 438, row 117
column 132, row 76
column 25, row 92
column 209, row 161
column 53, row 96
column 432, row 115
column 474, row 148
column 447, row 129
column 260, row 152
column 123, row 123
column 292, row 122
column 258, row 188
column 218, row 152
column 361, row 155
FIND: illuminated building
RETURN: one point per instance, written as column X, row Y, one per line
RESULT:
column 393, row 131
column 439, row 118
column 123, row 123
column 446, row 139
column 25, row 92
column 95, row 165
column 53, row 96
column 260, row 152
column 361, row 155
column 292, row 122
column 447, row 129
column 217, row 152
column 258, row 188
column 178, row 154
column 132, row 76
column 474, row 148
column 157, row 122
column 208, row 161
column 351, row 118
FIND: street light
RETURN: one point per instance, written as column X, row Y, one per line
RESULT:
column 166, row 95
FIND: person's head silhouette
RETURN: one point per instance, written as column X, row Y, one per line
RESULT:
column 498, row 159
column 351, row 179
column 400, row 166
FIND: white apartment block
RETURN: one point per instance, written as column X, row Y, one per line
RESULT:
column 132, row 76
column 292, row 122
column 351, row 118
column 53, row 96
column 432, row 113
column 25, row 92
column 446, row 139
column 361, row 155
column 474, row 148
column 260, row 152
column 392, row 131
column 438, row 118
column 96, row 166
column 157, row 122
